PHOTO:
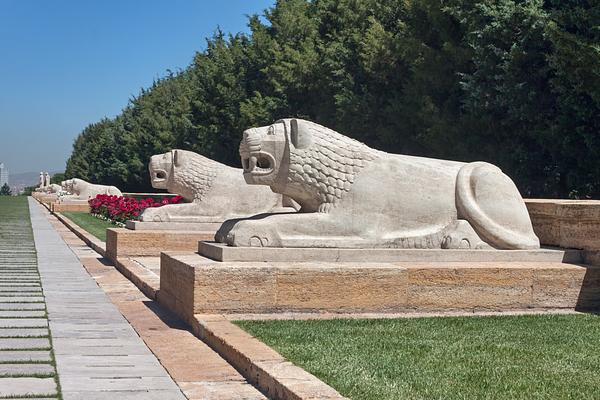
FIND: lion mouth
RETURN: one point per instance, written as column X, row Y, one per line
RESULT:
column 258, row 163
column 159, row 178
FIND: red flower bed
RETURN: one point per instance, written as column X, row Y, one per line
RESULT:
column 121, row 209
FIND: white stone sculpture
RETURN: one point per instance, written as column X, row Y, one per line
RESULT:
column 67, row 186
column 46, row 179
column 42, row 180
column 354, row 196
column 214, row 191
column 53, row 188
column 85, row 190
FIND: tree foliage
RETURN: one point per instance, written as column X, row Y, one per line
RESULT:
column 5, row 190
column 515, row 83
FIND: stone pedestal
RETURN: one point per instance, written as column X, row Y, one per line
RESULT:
column 121, row 242
column 70, row 205
column 566, row 223
column 174, row 226
column 195, row 284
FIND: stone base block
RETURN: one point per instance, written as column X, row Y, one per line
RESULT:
column 121, row 242
column 174, row 226
column 222, row 252
column 192, row 284
column 566, row 223
column 70, row 206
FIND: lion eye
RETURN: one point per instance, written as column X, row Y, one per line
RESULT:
column 271, row 130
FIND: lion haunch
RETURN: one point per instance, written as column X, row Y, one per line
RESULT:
column 214, row 191
column 355, row 196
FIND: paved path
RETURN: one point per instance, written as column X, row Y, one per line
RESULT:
column 26, row 362
column 98, row 354
column 198, row 370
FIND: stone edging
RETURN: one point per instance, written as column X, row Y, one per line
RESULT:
column 88, row 238
column 262, row 366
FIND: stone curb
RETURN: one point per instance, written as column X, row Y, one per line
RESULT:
column 146, row 282
column 92, row 241
column 262, row 366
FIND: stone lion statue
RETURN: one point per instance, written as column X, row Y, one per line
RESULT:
column 53, row 188
column 214, row 191
column 84, row 190
column 358, row 197
column 67, row 185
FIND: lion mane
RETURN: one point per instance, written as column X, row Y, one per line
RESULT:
column 188, row 174
column 327, row 168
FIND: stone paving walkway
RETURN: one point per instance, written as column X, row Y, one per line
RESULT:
column 98, row 354
column 198, row 370
column 26, row 359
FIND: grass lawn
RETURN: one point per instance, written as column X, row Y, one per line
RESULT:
column 500, row 357
column 93, row 225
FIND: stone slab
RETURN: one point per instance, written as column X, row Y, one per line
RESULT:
column 566, row 223
column 191, row 284
column 23, row 332
column 24, row 343
column 21, row 387
column 69, row 206
column 121, row 242
column 208, row 226
column 222, row 252
column 23, row 323
column 21, row 299
column 26, row 369
column 22, row 314
column 25, row 356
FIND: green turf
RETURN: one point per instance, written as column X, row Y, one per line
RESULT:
column 507, row 357
column 93, row 225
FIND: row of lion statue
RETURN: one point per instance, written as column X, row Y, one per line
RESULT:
column 304, row 185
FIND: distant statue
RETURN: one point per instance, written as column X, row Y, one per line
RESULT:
column 46, row 179
column 85, row 190
column 358, row 197
column 213, row 190
column 42, row 180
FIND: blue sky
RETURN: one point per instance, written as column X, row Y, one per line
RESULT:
column 67, row 63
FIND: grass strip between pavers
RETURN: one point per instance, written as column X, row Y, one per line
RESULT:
column 89, row 223
column 19, row 256
column 495, row 357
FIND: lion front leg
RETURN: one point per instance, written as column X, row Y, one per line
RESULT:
column 278, row 230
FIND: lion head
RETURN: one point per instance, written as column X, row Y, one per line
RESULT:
column 183, row 172
column 67, row 185
column 310, row 163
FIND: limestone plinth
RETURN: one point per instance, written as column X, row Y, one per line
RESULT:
column 566, row 223
column 193, row 284
column 70, row 205
column 121, row 242
column 173, row 226
column 221, row 252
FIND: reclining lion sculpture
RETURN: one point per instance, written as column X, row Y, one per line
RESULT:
column 214, row 191
column 358, row 197
column 83, row 190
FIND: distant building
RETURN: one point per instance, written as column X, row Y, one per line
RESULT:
column 3, row 175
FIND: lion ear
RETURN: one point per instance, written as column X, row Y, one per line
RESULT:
column 176, row 158
column 300, row 134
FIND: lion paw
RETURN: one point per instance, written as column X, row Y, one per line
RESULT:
column 462, row 236
column 249, row 234
column 153, row 215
